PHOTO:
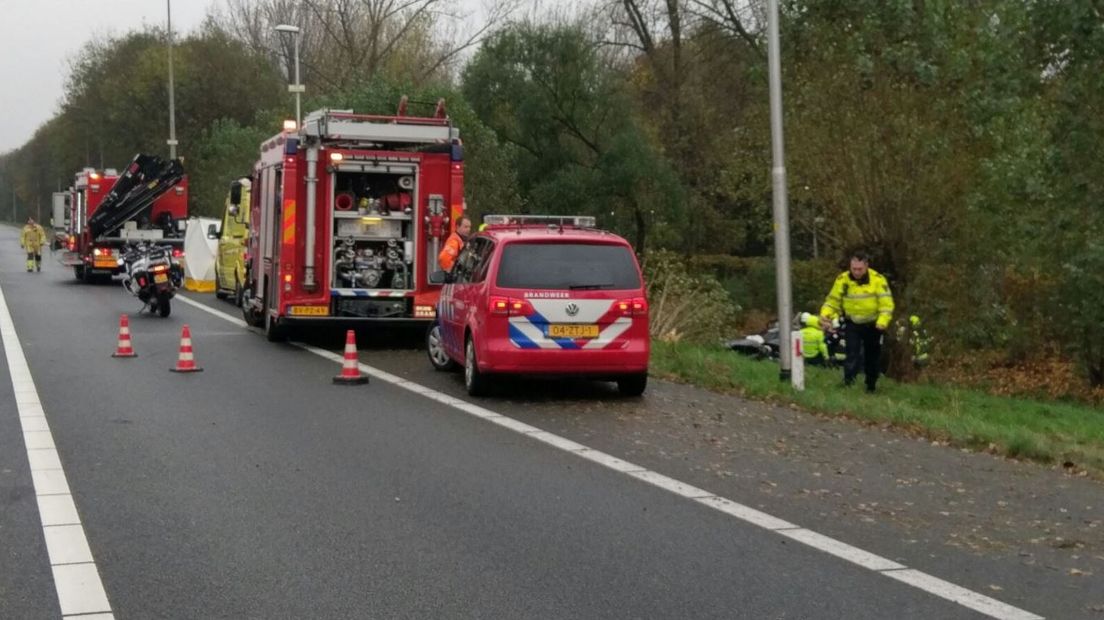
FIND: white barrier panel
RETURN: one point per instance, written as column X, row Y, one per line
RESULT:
column 199, row 255
column 797, row 372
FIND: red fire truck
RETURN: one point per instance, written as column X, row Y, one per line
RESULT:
column 148, row 202
column 349, row 213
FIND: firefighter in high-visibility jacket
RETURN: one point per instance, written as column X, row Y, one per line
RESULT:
column 861, row 299
column 813, row 347
column 31, row 239
column 455, row 243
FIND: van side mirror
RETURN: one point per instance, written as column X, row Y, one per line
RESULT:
column 235, row 193
column 440, row 277
column 212, row 231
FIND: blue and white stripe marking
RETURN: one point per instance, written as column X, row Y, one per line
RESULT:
column 531, row 332
column 360, row 292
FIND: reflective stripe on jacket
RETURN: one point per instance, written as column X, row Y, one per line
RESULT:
column 861, row 302
column 447, row 257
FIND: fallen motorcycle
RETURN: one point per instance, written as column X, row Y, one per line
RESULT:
column 765, row 344
column 152, row 275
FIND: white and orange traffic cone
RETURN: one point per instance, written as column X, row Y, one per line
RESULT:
column 186, row 362
column 124, row 349
column 350, row 371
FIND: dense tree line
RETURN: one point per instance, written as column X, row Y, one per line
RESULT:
column 957, row 140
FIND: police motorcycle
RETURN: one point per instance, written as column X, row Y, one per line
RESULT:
column 151, row 274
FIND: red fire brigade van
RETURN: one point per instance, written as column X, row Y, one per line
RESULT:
column 543, row 295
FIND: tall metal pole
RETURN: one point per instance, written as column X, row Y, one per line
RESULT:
column 781, row 208
column 298, row 84
column 172, row 96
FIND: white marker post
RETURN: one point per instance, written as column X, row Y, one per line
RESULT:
column 797, row 374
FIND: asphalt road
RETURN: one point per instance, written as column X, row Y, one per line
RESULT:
column 258, row 489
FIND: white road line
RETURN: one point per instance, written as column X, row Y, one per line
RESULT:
column 933, row 585
column 962, row 596
column 79, row 588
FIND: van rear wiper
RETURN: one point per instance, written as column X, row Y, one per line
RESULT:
column 586, row 287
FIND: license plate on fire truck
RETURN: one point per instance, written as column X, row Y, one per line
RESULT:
column 572, row 331
column 309, row 310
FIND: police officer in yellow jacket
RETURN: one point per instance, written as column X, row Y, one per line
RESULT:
column 31, row 239
column 861, row 298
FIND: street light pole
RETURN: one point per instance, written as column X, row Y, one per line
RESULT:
column 297, row 87
column 172, row 97
column 781, row 208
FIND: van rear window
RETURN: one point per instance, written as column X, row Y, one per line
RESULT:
column 567, row 266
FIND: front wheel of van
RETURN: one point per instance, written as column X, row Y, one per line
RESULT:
column 633, row 385
column 435, row 348
column 220, row 291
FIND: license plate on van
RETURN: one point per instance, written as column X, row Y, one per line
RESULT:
column 572, row 331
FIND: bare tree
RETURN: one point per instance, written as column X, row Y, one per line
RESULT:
column 347, row 41
column 743, row 18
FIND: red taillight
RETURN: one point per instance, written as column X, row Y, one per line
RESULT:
column 510, row 306
column 500, row 305
column 177, row 252
column 637, row 306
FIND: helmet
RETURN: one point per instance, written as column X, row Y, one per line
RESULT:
column 810, row 320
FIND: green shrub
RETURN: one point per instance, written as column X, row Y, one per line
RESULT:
column 750, row 281
column 686, row 304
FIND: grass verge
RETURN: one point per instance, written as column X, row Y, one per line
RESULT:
column 1048, row 432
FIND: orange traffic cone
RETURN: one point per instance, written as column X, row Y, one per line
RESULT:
column 186, row 363
column 350, row 371
column 124, row 349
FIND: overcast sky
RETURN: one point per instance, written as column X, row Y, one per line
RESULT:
column 39, row 38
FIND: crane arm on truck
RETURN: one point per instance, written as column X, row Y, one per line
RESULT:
column 146, row 178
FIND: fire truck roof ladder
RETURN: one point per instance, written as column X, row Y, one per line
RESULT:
column 330, row 126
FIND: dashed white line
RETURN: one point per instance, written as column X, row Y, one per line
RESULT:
column 76, row 579
column 917, row 579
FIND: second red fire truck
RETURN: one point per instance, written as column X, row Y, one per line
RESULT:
column 148, row 202
column 349, row 213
